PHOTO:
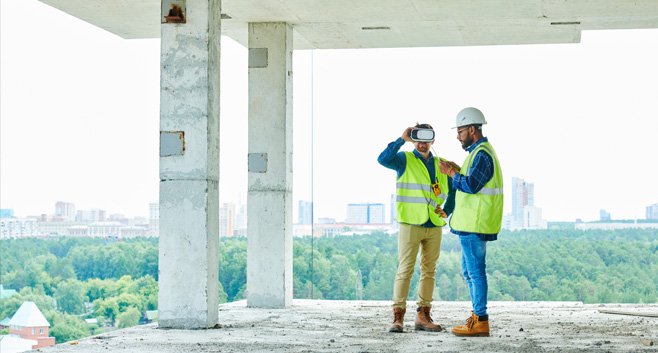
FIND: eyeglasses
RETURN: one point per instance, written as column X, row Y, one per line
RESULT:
column 462, row 130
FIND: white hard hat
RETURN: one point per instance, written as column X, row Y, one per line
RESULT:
column 469, row 116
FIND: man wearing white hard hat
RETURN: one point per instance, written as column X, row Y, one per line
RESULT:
column 478, row 212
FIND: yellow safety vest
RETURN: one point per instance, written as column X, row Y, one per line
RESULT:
column 415, row 201
column 482, row 212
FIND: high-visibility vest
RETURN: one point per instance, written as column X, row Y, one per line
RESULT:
column 482, row 212
column 416, row 201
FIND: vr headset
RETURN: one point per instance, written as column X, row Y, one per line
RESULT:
column 422, row 135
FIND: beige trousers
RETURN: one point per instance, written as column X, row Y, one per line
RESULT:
column 412, row 238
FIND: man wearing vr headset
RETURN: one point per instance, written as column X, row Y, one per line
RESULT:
column 421, row 193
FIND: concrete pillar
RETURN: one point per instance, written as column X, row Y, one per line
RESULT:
column 189, row 168
column 269, row 201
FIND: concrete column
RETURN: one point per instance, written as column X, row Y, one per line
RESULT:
column 189, row 168
column 269, row 201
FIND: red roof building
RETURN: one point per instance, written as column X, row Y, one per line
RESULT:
column 29, row 323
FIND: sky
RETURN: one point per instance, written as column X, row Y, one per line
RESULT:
column 80, row 117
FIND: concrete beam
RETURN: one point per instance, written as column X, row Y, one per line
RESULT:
column 269, row 201
column 189, row 168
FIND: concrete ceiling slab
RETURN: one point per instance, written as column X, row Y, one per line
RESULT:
column 333, row 24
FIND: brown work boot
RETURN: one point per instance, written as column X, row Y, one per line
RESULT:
column 424, row 321
column 474, row 327
column 398, row 320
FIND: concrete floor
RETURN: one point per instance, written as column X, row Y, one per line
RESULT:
column 361, row 326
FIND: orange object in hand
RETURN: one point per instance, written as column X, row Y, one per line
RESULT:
column 436, row 189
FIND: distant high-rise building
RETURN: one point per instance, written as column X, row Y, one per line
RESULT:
column 154, row 210
column 523, row 194
column 604, row 215
column 241, row 219
column 154, row 219
column 532, row 218
column 377, row 213
column 652, row 211
column 65, row 210
column 227, row 220
column 305, row 212
column 357, row 213
column 91, row 215
column 6, row 213
column 18, row 227
column 366, row 213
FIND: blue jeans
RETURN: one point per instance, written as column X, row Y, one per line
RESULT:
column 474, row 269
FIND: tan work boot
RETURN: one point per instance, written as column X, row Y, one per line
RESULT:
column 424, row 321
column 474, row 327
column 398, row 320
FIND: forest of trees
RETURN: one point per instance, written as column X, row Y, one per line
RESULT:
column 71, row 279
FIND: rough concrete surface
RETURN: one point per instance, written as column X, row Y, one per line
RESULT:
column 361, row 326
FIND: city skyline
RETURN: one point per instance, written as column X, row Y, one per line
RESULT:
column 361, row 218
column 71, row 130
column 521, row 198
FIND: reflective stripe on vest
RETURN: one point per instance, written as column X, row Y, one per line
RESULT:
column 415, row 200
column 485, row 190
column 423, row 200
column 413, row 186
column 491, row 191
column 482, row 212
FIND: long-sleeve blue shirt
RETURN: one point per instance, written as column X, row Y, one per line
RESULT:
column 393, row 159
column 480, row 172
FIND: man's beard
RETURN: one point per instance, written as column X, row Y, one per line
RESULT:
column 467, row 143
